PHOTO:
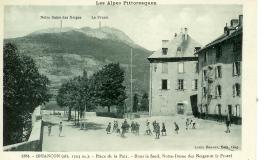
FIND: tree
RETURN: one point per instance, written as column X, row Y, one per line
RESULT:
column 108, row 86
column 24, row 89
column 135, row 103
column 75, row 94
column 144, row 106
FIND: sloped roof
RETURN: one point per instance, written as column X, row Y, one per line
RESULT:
column 222, row 38
column 187, row 48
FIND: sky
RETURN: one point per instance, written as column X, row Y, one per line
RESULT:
column 146, row 26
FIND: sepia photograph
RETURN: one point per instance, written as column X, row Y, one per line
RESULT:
column 123, row 77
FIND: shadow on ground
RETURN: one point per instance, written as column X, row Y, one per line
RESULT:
column 89, row 126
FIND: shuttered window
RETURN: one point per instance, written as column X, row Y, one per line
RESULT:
column 181, row 84
column 164, row 51
column 236, row 90
column 236, row 69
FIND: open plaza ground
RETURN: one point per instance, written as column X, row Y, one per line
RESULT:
column 207, row 136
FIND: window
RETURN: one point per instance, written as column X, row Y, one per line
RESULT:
column 181, row 84
column 205, row 75
column 179, row 49
column 180, row 67
column 218, row 72
column 218, row 51
column 164, row 84
column 236, row 69
column 204, row 91
column 196, row 67
column 236, row 110
column 164, row 67
column 236, row 90
column 164, row 51
column 180, row 108
column 195, row 84
column 218, row 91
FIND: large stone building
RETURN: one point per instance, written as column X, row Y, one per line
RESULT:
column 173, row 76
column 219, row 89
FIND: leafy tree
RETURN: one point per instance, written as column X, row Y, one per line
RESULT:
column 108, row 86
column 135, row 103
column 144, row 105
column 24, row 89
column 75, row 94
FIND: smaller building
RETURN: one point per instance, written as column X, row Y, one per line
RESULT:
column 173, row 76
column 219, row 88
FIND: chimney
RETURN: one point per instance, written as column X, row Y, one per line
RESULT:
column 164, row 43
column 196, row 49
column 234, row 23
column 185, row 33
column 226, row 30
column 240, row 20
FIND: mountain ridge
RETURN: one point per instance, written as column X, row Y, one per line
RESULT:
column 64, row 54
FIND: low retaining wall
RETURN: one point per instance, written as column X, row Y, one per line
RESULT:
column 34, row 142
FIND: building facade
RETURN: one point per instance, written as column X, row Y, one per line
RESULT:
column 173, row 76
column 219, row 81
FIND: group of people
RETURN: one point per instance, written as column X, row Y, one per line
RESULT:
column 190, row 123
column 134, row 128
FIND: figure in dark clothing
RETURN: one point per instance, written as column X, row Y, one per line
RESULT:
column 154, row 125
column 108, row 128
column 148, row 130
column 176, row 127
column 137, row 128
column 228, row 122
column 115, row 126
column 49, row 129
column 187, row 123
column 123, row 128
column 133, row 127
column 157, row 130
column 60, row 128
column 163, row 130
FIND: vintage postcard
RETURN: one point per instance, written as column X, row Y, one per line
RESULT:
column 128, row 80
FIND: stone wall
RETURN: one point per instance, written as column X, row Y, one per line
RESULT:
column 34, row 142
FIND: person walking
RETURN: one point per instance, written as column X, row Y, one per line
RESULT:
column 163, row 130
column 176, row 127
column 60, row 129
column 123, row 128
column 137, row 128
column 108, row 128
column 49, row 129
column 148, row 130
column 228, row 122
column 157, row 130
column 187, row 123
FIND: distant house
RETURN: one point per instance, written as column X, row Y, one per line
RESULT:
column 173, row 76
column 219, row 89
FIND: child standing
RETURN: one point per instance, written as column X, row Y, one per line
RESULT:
column 157, row 130
column 163, row 130
column 108, row 128
column 60, row 128
column 176, row 127
column 49, row 128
